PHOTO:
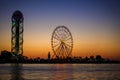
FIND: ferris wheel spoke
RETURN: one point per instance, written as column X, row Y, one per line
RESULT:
column 59, row 50
column 64, row 36
column 57, row 35
column 58, row 32
column 68, row 38
column 56, row 38
column 66, row 49
column 56, row 48
column 67, row 35
column 69, row 41
column 56, row 45
column 66, row 32
column 68, row 45
column 55, row 42
column 63, row 51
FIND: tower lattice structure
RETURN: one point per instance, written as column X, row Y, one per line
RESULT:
column 17, row 33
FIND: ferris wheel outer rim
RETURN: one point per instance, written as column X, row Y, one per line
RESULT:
column 62, row 26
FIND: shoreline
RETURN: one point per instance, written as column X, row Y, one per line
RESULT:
column 59, row 63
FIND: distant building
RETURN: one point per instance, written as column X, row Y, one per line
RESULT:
column 92, row 58
column 99, row 58
column 49, row 55
column 5, row 55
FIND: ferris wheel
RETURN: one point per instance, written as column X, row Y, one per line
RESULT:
column 62, row 42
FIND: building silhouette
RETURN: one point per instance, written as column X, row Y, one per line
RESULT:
column 49, row 56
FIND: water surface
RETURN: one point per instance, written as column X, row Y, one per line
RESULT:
column 60, row 72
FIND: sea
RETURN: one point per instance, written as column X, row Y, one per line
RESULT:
column 59, row 71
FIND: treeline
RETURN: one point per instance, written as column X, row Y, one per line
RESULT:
column 8, row 57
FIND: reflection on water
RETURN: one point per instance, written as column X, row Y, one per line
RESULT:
column 16, row 72
column 59, row 71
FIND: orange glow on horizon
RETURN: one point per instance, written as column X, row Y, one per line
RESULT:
column 39, row 47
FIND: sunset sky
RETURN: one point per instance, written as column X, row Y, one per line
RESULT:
column 94, row 24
